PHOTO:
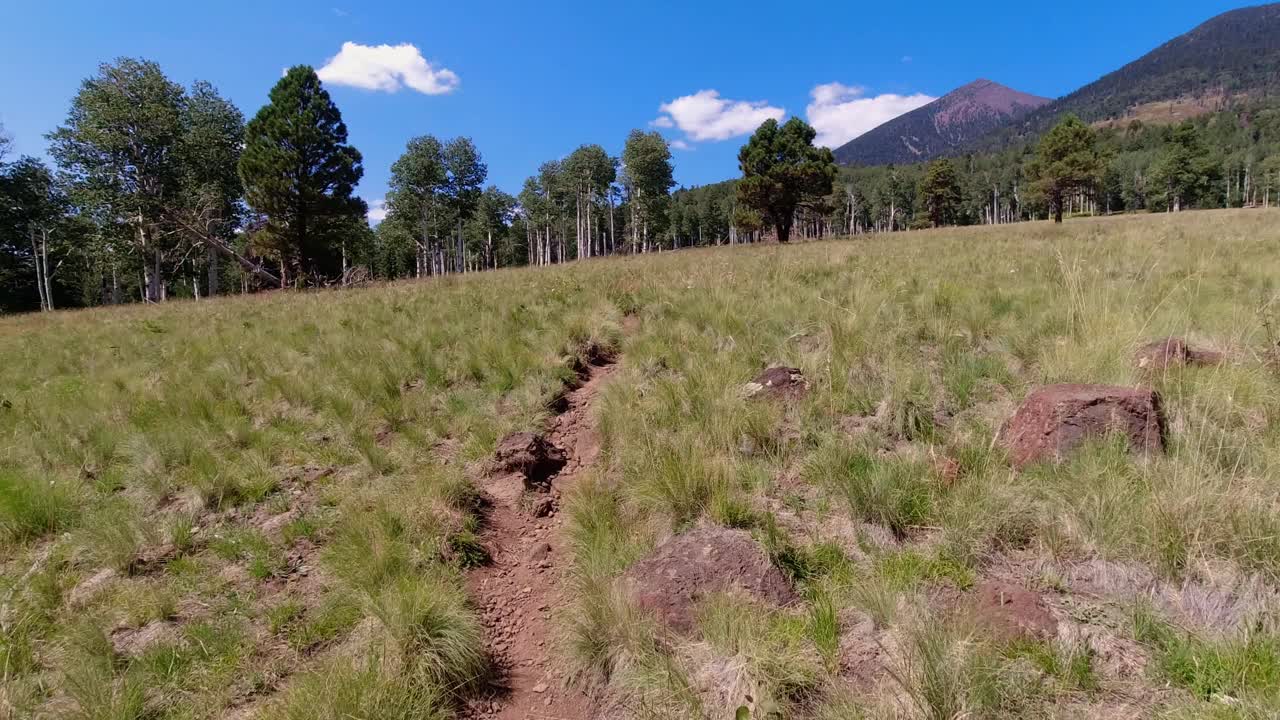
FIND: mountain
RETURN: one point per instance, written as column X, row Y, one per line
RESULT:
column 949, row 122
column 1233, row 55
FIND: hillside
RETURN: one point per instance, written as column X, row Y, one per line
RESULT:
column 936, row 129
column 316, row 504
column 1233, row 54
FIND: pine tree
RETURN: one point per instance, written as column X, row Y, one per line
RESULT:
column 1067, row 160
column 782, row 171
column 940, row 192
column 299, row 173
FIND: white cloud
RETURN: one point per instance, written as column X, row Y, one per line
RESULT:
column 377, row 211
column 841, row 113
column 340, row 12
column 681, row 145
column 907, row 58
column 705, row 115
column 387, row 68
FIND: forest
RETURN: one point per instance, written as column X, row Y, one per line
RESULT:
column 159, row 191
column 1229, row 158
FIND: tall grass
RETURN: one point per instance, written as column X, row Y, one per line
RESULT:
column 190, row 424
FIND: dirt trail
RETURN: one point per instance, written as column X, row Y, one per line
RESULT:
column 518, row 592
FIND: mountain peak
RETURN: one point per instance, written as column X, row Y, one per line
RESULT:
column 933, row 130
column 1232, row 55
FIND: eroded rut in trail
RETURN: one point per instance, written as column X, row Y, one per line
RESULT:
column 518, row 592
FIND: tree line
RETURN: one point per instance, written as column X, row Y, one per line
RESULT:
column 1229, row 158
column 162, row 191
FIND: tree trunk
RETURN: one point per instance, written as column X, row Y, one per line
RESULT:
column 345, row 267
column 40, row 285
column 44, row 270
column 214, row 279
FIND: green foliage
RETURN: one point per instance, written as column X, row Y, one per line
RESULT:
column 299, row 173
column 30, row 509
column 907, row 569
column 895, row 493
column 1247, row 665
column 428, row 624
column 358, row 689
column 1067, row 161
column 783, row 171
column 648, row 177
column 940, row 192
column 1185, row 171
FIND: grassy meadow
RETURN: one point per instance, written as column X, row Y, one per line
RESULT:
column 264, row 507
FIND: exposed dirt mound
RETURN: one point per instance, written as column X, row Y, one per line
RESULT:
column 1173, row 352
column 672, row 580
column 1057, row 418
column 1009, row 612
column 531, row 456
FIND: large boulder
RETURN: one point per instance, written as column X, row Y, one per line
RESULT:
column 778, row 381
column 1055, row 419
column 1172, row 352
column 680, row 573
column 531, row 456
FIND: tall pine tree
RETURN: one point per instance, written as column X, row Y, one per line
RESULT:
column 782, row 171
column 299, row 173
column 1067, row 161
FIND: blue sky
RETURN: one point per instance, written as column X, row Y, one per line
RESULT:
column 531, row 81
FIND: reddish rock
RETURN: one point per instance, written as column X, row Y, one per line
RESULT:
column 1173, row 352
column 1055, row 419
column 1009, row 612
column 777, row 382
column 531, row 456
column 680, row 573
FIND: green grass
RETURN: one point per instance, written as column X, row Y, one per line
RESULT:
column 896, row 493
column 182, row 427
column 1246, row 666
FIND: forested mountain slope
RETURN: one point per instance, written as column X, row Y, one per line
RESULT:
column 1234, row 54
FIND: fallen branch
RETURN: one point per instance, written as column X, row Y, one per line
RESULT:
column 222, row 247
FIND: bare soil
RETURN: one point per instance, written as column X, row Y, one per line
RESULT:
column 517, row 593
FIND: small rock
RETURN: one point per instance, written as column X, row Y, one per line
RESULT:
column 540, row 688
column 777, row 381
column 541, row 506
column 1171, row 352
column 540, row 551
